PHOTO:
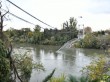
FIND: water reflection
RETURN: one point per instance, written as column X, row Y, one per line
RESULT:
column 67, row 61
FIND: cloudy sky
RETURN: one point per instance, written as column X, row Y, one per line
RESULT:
column 95, row 13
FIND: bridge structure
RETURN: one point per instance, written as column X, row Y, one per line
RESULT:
column 69, row 44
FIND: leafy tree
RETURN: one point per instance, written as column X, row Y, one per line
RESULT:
column 37, row 28
column 70, row 28
column 90, row 41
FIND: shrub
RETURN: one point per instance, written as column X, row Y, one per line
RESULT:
column 58, row 79
column 25, row 64
column 97, row 70
column 89, row 41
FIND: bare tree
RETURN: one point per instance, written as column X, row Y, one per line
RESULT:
column 2, row 16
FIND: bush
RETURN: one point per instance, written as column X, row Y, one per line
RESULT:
column 58, row 79
column 97, row 70
column 25, row 64
column 89, row 41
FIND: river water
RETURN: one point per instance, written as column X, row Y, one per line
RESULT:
column 66, row 61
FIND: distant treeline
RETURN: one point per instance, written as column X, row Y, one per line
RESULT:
column 55, row 36
column 47, row 37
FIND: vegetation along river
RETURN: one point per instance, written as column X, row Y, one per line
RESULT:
column 66, row 61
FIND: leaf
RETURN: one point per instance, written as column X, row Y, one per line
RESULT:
column 49, row 76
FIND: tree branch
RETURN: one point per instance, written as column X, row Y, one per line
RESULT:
column 5, row 13
column 12, row 65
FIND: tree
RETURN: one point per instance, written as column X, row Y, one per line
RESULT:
column 90, row 41
column 2, row 16
column 6, row 60
column 69, row 28
column 4, row 53
column 37, row 35
column 87, row 30
column 4, row 64
column 37, row 28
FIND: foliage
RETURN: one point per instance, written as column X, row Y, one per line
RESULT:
column 72, row 78
column 69, row 27
column 83, row 79
column 58, row 79
column 89, row 41
column 97, row 70
column 100, row 33
column 49, row 76
column 25, row 64
column 4, row 69
column 47, row 37
column 3, row 51
column 96, row 40
column 4, row 64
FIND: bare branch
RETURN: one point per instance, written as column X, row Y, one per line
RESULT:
column 5, row 25
column 6, row 18
column 5, row 13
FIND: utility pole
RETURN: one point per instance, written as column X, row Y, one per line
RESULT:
column 81, row 34
column 83, row 31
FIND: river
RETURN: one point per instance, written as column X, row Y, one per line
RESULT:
column 66, row 61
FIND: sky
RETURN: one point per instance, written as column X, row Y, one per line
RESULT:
column 95, row 13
